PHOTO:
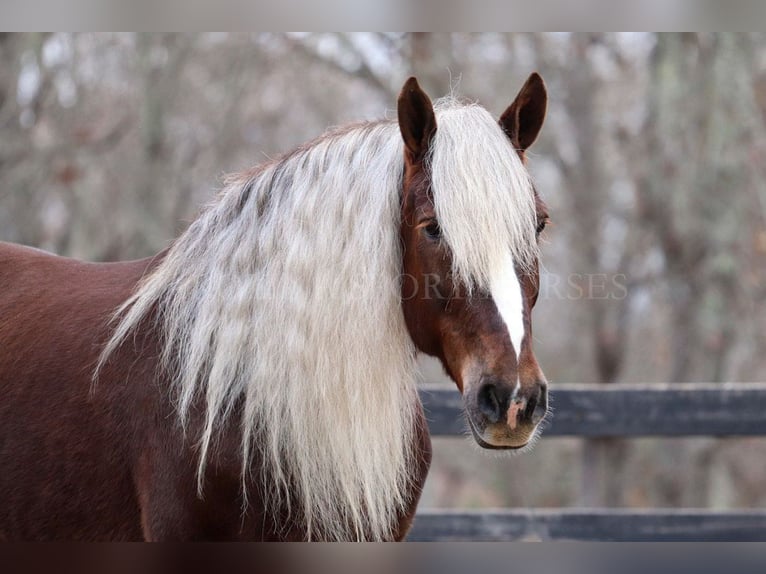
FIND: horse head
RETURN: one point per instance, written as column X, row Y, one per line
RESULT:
column 478, row 324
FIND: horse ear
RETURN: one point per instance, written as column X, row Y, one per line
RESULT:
column 524, row 117
column 416, row 119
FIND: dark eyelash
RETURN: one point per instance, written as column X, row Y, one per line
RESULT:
column 433, row 230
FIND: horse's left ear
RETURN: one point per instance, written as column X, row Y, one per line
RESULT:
column 524, row 117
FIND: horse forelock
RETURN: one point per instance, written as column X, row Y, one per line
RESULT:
column 483, row 195
column 283, row 297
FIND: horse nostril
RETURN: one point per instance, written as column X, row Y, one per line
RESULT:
column 493, row 401
column 532, row 404
column 538, row 412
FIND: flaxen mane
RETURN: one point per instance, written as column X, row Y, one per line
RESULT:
column 284, row 294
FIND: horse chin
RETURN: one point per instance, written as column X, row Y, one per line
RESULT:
column 489, row 446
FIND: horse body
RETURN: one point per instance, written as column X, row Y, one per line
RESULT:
column 81, row 463
column 256, row 380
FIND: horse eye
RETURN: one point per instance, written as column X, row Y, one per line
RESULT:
column 433, row 231
column 541, row 225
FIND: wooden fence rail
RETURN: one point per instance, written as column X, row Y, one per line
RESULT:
column 684, row 409
column 693, row 409
column 625, row 525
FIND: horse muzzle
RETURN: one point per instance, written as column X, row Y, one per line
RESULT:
column 504, row 416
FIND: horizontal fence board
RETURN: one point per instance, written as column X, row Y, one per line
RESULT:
column 623, row 410
column 589, row 525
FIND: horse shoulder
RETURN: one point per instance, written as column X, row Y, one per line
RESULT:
column 67, row 445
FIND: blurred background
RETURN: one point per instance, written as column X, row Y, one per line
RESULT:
column 652, row 162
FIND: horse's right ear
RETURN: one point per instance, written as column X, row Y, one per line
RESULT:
column 524, row 117
column 416, row 119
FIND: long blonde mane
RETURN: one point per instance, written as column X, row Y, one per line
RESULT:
column 283, row 296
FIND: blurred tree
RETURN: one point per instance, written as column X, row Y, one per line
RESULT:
column 604, row 261
column 696, row 140
column 701, row 124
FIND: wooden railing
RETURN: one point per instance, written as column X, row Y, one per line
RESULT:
column 684, row 409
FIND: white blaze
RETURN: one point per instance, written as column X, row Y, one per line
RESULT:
column 506, row 292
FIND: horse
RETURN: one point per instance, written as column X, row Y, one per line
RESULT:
column 257, row 379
